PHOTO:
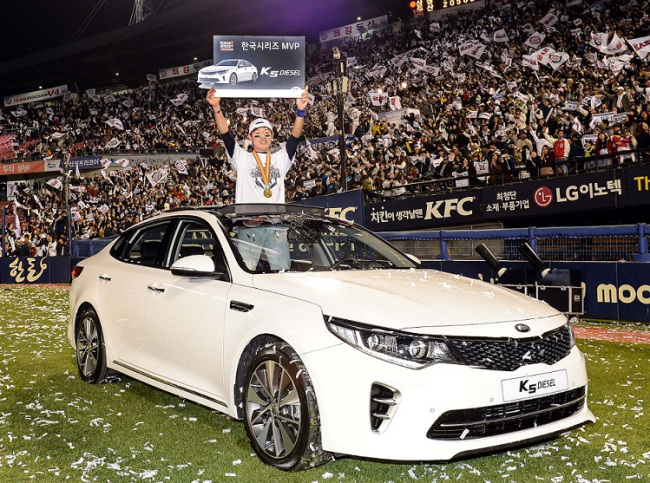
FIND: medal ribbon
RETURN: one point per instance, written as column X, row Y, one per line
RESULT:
column 265, row 170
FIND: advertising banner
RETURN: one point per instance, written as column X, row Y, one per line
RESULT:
column 52, row 165
column 21, row 168
column 546, row 197
column 183, row 70
column 425, row 211
column 347, row 206
column 34, row 96
column 26, row 270
column 92, row 162
column 637, row 185
column 246, row 66
column 632, row 292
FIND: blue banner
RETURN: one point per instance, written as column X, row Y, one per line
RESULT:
column 92, row 162
column 555, row 195
column 637, row 182
column 348, row 205
column 28, row 270
column 457, row 208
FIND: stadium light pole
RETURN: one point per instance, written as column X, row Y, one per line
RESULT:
column 340, row 87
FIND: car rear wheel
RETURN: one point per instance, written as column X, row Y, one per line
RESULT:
column 233, row 79
column 91, row 352
column 281, row 411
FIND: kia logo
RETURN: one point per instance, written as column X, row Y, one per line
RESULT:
column 522, row 328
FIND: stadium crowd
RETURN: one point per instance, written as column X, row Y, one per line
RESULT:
column 471, row 93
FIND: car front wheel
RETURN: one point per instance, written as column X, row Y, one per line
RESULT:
column 91, row 352
column 281, row 411
column 233, row 79
column 254, row 76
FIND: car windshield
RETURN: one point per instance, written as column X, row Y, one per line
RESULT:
column 228, row 63
column 301, row 243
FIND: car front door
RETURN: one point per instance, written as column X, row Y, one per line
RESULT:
column 184, row 316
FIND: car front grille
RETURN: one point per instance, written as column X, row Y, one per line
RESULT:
column 511, row 354
column 506, row 418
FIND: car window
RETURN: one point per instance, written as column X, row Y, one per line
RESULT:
column 294, row 243
column 146, row 246
column 193, row 237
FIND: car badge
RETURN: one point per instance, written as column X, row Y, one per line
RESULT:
column 522, row 328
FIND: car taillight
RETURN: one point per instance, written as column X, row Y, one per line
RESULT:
column 76, row 271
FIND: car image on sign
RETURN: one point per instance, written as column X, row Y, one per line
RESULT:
column 323, row 338
column 227, row 71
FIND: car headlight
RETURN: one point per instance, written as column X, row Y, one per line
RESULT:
column 572, row 337
column 407, row 350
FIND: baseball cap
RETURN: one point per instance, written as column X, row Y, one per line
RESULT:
column 259, row 123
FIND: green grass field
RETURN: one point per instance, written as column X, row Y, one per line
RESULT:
column 53, row 427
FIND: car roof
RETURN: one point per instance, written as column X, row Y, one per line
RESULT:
column 253, row 209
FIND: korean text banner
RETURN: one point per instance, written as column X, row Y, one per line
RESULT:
column 247, row 66
column 183, row 70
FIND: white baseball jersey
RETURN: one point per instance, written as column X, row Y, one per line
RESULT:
column 250, row 187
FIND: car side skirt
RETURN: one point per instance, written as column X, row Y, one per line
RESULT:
column 169, row 386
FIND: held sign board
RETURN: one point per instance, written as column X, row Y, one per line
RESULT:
column 545, row 197
column 425, row 211
column 246, row 66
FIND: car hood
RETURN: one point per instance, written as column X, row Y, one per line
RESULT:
column 403, row 299
column 213, row 69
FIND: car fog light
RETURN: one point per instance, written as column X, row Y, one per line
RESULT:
column 418, row 349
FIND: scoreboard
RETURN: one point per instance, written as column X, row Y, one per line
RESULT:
column 437, row 5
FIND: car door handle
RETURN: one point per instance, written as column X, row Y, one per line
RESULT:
column 241, row 306
column 105, row 277
column 156, row 288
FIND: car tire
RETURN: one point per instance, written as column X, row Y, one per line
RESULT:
column 233, row 79
column 90, row 348
column 254, row 78
column 280, row 410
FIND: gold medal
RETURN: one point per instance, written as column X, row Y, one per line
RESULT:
column 265, row 172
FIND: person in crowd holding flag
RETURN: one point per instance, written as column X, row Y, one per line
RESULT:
column 260, row 173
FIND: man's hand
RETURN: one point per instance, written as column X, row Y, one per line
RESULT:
column 302, row 101
column 212, row 100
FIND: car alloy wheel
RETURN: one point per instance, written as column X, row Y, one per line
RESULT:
column 233, row 79
column 254, row 76
column 281, row 412
column 91, row 353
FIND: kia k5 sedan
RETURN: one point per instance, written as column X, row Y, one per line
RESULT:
column 230, row 71
column 323, row 338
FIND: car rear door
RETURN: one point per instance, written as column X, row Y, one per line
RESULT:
column 122, row 289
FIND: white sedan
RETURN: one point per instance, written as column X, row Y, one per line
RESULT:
column 323, row 338
column 229, row 71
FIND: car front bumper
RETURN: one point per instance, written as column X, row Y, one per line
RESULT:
column 344, row 385
column 214, row 78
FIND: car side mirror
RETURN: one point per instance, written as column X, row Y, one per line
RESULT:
column 193, row 266
column 414, row 259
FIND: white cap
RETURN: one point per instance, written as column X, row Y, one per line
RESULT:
column 259, row 123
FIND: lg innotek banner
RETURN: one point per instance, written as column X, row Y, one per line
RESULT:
column 256, row 67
